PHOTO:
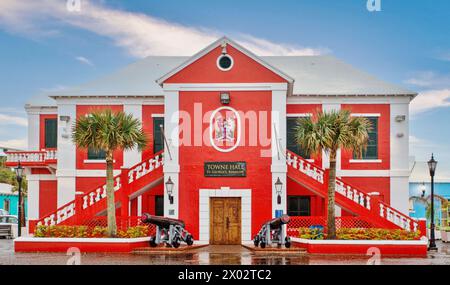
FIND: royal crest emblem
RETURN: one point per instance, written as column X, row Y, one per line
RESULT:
column 225, row 129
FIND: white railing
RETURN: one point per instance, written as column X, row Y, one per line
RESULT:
column 305, row 167
column 145, row 167
column 353, row 194
column 398, row 218
column 91, row 198
column 31, row 156
column 59, row 216
column 96, row 195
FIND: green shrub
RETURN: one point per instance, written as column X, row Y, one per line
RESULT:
column 62, row 231
column 361, row 234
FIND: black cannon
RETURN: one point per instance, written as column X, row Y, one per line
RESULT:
column 273, row 232
column 169, row 231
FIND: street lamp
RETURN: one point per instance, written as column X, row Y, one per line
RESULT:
column 432, row 167
column 19, row 176
column 169, row 189
column 278, row 188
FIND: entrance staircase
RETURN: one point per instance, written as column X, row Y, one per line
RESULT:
column 348, row 197
column 147, row 174
column 129, row 184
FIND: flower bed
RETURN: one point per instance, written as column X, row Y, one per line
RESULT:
column 359, row 234
column 88, row 232
column 362, row 241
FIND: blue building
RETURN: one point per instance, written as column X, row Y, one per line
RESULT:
column 9, row 200
column 420, row 186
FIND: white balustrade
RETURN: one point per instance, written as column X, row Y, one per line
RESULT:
column 305, row 167
column 32, row 156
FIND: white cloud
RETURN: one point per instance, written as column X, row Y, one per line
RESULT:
column 139, row 34
column 429, row 79
column 84, row 60
column 20, row 144
column 429, row 100
column 6, row 119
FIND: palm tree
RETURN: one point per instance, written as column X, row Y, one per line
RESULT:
column 330, row 131
column 107, row 131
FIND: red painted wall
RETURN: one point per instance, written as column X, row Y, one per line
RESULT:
column 192, row 158
column 87, row 184
column 148, row 199
column 205, row 70
column 47, row 197
column 147, row 125
column 302, row 109
column 42, row 128
column 83, row 110
column 317, row 202
column 40, row 171
column 372, row 184
column 383, row 137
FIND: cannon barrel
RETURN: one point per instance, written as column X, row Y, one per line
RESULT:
column 278, row 222
column 162, row 222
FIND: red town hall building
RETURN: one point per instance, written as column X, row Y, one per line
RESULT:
column 222, row 154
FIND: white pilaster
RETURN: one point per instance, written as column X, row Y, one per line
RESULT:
column 139, row 205
column 399, row 143
column 279, row 168
column 171, row 153
column 66, row 168
column 33, row 199
column 134, row 156
column 33, row 131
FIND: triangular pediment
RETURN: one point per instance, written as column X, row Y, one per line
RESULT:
column 204, row 67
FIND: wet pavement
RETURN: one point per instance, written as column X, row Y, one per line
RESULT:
column 214, row 255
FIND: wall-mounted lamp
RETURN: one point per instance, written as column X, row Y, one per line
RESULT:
column 169, row 189
column 64, row 118
column 278, row 189
column 400, row 118
column 225, row 98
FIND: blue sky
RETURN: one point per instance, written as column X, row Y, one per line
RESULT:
column 44, row 46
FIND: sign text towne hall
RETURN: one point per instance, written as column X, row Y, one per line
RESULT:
column 226, row 169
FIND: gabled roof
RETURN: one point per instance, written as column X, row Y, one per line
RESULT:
column 220, row 42
column 313, row 75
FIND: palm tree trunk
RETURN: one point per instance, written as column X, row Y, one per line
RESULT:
column 111, row 205
column 331, row 216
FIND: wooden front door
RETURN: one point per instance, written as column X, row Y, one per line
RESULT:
column 225, row 221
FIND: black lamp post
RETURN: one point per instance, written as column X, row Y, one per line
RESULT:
column 19, row 176
column 278, row 188
column 432, row 167
column 169, row 189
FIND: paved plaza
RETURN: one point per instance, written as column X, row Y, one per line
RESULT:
column 213, row 255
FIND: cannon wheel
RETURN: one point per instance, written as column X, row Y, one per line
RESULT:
column 287, row 242
column 176, row 242
column 262, row 244
column 189, row 240
column 153, row 241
